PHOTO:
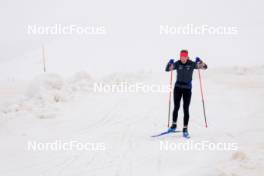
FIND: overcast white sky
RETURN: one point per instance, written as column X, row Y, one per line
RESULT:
column 133, row 39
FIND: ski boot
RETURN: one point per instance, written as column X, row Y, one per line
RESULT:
column 172, row 128
column 185, row 133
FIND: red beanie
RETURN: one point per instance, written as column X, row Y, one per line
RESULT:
column 184, row 53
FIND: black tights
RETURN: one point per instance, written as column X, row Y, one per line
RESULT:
column 186, row 94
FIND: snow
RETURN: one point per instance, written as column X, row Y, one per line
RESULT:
column 54, row 107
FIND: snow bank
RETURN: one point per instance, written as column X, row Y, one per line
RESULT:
column 47, row 88
column 46, row 93
column 81, row 81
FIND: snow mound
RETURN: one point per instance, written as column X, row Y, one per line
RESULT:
column 48, row 88
column 81, row 81
column 46, row 93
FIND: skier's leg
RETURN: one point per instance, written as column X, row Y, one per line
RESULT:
column 187, row 94
column 177, row 100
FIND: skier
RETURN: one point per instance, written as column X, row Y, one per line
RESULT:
column 183, row 86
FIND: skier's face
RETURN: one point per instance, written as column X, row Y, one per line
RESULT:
column 184, row 59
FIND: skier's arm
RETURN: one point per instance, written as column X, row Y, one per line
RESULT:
column 199, row 64
column 171, row 65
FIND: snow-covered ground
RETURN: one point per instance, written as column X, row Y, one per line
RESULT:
column 52, row 107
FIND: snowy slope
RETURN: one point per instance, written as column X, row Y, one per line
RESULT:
column 53, row 107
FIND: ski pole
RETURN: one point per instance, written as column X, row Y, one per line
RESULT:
column 171, row 70
column 202, row 98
